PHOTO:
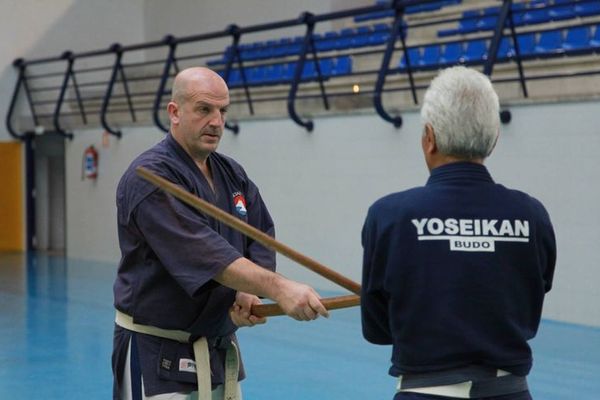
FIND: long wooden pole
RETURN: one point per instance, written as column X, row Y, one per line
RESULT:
column 330, row 303
column 248, row 230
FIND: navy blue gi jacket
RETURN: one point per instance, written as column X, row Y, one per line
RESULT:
column 170, row 254
column 455, row 272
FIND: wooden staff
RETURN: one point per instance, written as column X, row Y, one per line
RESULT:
column 247, row 230
column 330, row 303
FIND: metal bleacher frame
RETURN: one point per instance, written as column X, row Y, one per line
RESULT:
column 502, row 35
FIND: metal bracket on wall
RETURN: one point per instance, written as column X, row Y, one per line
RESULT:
column 308, row 19
column 397, row 29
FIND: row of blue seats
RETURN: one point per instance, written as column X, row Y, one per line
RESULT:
column 418, row 8
column 347, row 38
column 284, row 72
column 575, row 40
column 538, row 12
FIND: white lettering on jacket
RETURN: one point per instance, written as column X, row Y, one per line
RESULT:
column 472, row 234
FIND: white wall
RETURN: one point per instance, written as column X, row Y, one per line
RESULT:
column 91, row 209
column 319, row 185
column 552, row 152
column 38, row 29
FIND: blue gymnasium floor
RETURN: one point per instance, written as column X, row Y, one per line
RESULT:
column 56, row 335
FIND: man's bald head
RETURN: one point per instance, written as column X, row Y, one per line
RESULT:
column 197, row 80
column 197, row 111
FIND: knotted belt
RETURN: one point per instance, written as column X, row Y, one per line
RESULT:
column 201, row 355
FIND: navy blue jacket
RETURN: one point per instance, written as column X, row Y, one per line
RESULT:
column 455, row 272
column 171, row 253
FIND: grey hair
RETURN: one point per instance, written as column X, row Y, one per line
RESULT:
column 463, row 108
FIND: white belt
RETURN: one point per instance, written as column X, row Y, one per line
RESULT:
column 200, row 354
column 458, row 390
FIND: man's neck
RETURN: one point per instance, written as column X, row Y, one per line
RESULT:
column 204, row 167
column 442, row 159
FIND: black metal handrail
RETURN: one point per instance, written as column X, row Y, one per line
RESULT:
column 308, row 52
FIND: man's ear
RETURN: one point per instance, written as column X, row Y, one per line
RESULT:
column 429, row 144
column 173, row 110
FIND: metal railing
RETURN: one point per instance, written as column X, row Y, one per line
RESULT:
column 234, row 61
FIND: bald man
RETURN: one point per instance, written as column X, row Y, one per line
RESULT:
column 186, row 282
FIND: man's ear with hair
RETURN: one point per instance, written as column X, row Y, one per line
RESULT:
column 495, row 143
column 428, row 140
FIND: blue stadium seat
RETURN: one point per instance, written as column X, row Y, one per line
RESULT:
column 488, row 21
column 316, row 38
column 309, row 72
column 249, row 51
column 326, row 66
column 538, row 3
column 342, row 66
column 414, row 57
column 218, row 61
column 273, row 73
column 374, row 15
column 288, row 71
column 280, row 47
column 489, row 18
column 234, row 78
column 362, row 36
column 257, row 75
column 468, row 24
column 380, row 35
column 595, row 41
column 476, row 51
column 587, row 8
column 504, row 49
column 265, row 50
column 430, row 57
column 550, row 42
column 329, row 42
column 536, row 16
column 447, row 32
column 527, row 42
column 434, row 5
column 566, row 11
column 345, row 40
column 518, row 12
column 452, row 54
column 294, row 47
column 577, row 39
column 491, row 10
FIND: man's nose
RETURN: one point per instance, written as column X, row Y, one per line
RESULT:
column 217, row 119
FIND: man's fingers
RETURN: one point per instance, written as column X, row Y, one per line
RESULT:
column 317, row 306
column 257, row 320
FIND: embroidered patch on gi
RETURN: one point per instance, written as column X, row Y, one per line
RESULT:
column 187, row 365
column 240, row 203
column 166, row 364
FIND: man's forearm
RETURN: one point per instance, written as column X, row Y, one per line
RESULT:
column 246, row 276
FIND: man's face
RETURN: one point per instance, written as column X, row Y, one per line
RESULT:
column 199, row 118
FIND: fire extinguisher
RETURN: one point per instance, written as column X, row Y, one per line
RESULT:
column 90, row 163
